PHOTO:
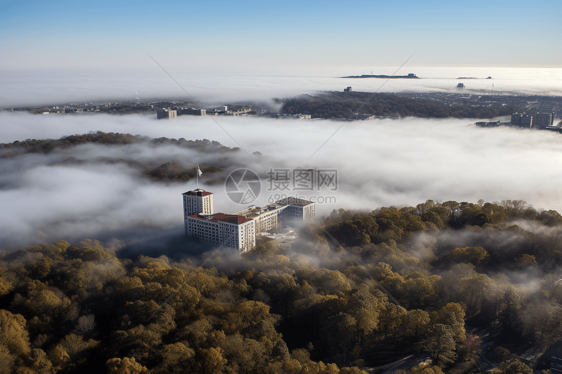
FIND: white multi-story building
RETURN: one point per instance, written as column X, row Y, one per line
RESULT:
column 269, row 217
column 197, row 201
column 302, row 210
column 239, row 230
column 229, row 230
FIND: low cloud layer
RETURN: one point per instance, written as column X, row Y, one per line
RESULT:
column 212, row 87
column 379, row 163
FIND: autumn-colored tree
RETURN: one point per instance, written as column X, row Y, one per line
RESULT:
column 512, row 366
column 440, row 343
column 213, row 361
column 125, row 366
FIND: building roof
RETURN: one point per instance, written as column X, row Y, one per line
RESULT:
column 258, row 211
column 294, row 201
column 222, row 217
column 198, row 192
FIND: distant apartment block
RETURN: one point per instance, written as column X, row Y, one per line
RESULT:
column 195, row 111
column 237, row 112
column 239, row 230
column 166, row 113
column 293, row 116
column 191, row 111
column 537, row 120
column 543, row 120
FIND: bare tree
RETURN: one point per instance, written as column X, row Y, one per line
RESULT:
column 85, row 324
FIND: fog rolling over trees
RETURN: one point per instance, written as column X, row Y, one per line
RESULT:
column 90, row 249
column 411, row 280
column 82, row 186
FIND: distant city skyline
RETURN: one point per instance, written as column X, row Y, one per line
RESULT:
column 57, row 34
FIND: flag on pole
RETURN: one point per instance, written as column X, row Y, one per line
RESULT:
column 199, row 173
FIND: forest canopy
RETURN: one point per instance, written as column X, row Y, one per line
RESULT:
column 346, row 104
column 423, row 280
column 171, row 170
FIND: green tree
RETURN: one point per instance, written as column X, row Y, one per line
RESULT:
column 440, row 343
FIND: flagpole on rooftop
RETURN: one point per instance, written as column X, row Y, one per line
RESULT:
column 199, row 173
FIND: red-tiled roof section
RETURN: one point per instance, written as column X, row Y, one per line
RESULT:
column 230, row 218
column 198, row 193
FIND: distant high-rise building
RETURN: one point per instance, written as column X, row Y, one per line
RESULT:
column 194, row 111
column 526, row 121
column 516, row 119
column 542, row 120
column 166, row 114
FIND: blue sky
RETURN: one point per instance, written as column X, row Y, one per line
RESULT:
column 55, row 34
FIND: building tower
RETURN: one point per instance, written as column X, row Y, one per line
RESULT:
column 543, row 120
column 197, row 201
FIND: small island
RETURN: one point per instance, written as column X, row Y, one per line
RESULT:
column 409, row 76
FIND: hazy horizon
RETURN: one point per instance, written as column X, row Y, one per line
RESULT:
column 211, row 87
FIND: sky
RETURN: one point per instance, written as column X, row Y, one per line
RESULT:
column 242, row 34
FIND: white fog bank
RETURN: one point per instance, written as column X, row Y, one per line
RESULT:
column 21, row 87
column 379, row 163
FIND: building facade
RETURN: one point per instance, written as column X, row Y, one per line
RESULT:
column 166, row 114
column 266, row 218
column 543, row 120
column 299, row 209
column 192, row 111
column 230, row 230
